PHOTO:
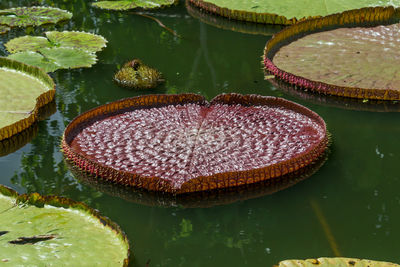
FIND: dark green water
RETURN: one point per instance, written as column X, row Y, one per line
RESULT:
column 355, row 194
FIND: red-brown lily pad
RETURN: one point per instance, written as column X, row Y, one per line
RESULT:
column 182, row 143
column 352, row 54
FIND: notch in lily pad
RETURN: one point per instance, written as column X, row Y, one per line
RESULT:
column 58, row 50
column 133, row 4
column 52, row 228
column 32, row 16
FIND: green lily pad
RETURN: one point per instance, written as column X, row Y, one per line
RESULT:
column 32, row 16
column 335, row 262
column 51, row 59
column 4, row 29
column 72, row 39
column 23, row 89
column 284, row 11
column 79, row 40
column 131, row 4
column 53, row 231
column 27, row 43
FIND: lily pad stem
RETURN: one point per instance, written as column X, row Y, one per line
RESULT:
column 159, row 23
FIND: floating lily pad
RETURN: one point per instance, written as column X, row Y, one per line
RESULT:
column 23, row 89
column 39, row 230
column 71, row 39
column 341, row 60
column 182, row 143
column 232, row 25
column 131, row 4
column 335, row 262
column 200, row 199
column 284, row 11
column 135, row 74
column 32, row 16
column 4, row 29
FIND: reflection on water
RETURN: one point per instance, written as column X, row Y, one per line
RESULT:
column 202, row 199
column 356, row 189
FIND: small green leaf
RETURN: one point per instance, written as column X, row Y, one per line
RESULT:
column 131, row 4
column 27, row 43
column 80, row 40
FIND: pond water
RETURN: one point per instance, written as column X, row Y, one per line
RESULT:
column 349, row 207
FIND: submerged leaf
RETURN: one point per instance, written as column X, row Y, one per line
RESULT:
column 57, row 231
column 32, row 16
column 359, row 62
column 182, row 143
column 131, row 4
column 23, row 89
column 283, row 11
column 335, row 262
column 4, row 29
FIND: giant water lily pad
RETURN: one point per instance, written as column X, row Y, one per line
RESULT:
column 358, row 62
column 37, row 230
column 60, row 50
column 284, row 11
column 182, row 143
column 131, row 4
column 336, row 262
column 32, row 16
column 23, row 89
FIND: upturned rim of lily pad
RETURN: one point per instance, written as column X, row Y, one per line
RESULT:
column 204, row 199
column 367, row 17
column 41, row 100
column 202, row 183
column 242, row 15
column 39, row 201
column 336, row 261
column 225, row 23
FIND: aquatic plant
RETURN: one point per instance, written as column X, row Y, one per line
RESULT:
column 334, row 262
column 32, row 16
column 24, row 89
column 281, row 12
column 132, row 4
column 182, row 143
column 49, row 230
column 135, row 74
column 58, row 50
column 4, row 29
column 331, row 55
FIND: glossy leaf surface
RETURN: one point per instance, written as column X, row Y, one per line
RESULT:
column 131, row 4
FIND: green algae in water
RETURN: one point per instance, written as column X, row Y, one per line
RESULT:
column 53, row 231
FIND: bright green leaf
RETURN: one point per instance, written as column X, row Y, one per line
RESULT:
column 53, row 231
column 32, row 16
column 131, row 4
column 27, row 43
column 79, row 40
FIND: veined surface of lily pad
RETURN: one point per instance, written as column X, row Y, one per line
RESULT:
column 358, row 62
column 53, row 231
column 51, row 59
column 32, row 16
column 335, row 262
column 135, row 74
column 284, row 11
column 23, row 89
column 70, row 39
column 182, row 143
column 131, row 4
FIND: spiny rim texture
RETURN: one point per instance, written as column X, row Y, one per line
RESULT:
column 204, row 199
column 331, row 262
column 41, row 100
column 199, row 183
column 40, row 201
column 360, row 17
